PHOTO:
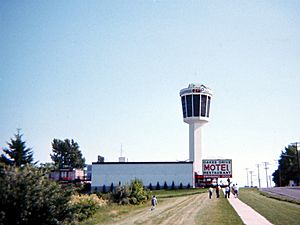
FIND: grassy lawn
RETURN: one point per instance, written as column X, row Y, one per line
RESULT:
column 112, row 212
column 276, row 211
column 219, row 211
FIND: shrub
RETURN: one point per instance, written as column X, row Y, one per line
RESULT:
column 150, row 186
column 135, row 193
column 104, row 189
column 121, row 193
column 180, row 186
column 84, row 206
column 157, row 186
column 112, row 187
column 173, row 185
column 165, row 185
column 29, row 197
column 138, row 192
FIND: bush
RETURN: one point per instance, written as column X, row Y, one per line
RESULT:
column 150, row 186
column 173, row 185
column 84, row 206
column 121, row 193
column 165, row 185
column 157, row 186
column 133, row 194
column 104, row 189
column 138, row 192
column 29, row 197
column 180, row 186
column 111, row 187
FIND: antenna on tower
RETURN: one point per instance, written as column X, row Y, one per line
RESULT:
column 121, row 158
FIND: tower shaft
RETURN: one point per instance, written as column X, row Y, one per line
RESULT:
column 195, row 146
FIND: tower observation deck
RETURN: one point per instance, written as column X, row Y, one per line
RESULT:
column 195, row 100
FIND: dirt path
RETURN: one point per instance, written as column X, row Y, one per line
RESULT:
column 181, row 210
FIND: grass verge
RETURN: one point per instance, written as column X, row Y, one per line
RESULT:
column 276, row 211
column 218, row 211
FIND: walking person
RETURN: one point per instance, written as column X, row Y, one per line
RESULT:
column 210, row 192
column 218, row 191
column 153, row 202
column 235, row 190
column 227, row 192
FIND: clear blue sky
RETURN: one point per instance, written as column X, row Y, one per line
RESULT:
column 106, row 73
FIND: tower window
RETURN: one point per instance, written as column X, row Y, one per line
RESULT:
column 189, row 105
column 208, row 106
column 183, row 106
column 196, row 102
column 203, row 105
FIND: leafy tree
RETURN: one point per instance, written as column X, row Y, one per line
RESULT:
column 17, row 154
column 287, row 168
column 29, row 197
column 67, row 154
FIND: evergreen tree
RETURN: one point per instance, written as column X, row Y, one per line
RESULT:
column 67, row 154
column 17, row 154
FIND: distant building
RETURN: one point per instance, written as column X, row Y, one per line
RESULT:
column 150, row 173
column 67, row 174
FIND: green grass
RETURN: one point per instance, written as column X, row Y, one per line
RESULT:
column 219, row 211
column 276, row 211
column 112, row 212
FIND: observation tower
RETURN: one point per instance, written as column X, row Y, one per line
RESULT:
column 195, row 102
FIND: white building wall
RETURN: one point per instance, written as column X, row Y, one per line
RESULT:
column 108, row 173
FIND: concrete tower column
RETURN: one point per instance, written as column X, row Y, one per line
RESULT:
column 195, row 146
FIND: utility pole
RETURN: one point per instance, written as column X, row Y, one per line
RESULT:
column 258, row 175
column 251, row 172
column 266, row 168
column 247, row 177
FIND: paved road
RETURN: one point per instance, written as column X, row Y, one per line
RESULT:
column 290, row 192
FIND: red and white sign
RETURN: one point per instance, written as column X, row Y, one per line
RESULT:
column 220, row 168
